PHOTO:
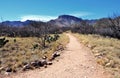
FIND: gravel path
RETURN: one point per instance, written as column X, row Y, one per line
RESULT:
column 77, row 61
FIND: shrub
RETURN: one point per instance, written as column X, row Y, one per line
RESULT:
column 35, row 46
column 3, row 42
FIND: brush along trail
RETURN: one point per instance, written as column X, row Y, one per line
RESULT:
column 77, row 61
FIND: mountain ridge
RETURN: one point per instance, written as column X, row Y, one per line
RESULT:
column 65, row 20
column 61, row 21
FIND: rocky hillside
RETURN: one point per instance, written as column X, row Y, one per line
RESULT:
column 65, row 21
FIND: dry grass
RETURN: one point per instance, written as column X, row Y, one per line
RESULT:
column 106, row 51
column 63, row 40
column 20, row 50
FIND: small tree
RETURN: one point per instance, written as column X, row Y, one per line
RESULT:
column 41, row 30
column 114, row 23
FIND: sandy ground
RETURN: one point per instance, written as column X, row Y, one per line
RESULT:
column 77, row 61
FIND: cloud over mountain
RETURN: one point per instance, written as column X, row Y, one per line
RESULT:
column 46, row 18
column 38, row 17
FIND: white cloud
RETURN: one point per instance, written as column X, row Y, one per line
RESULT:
column 47, row 18
column 80, row 14
column 37, row 17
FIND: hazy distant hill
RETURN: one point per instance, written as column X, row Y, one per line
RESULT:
column 61, row 21
column 16, row 23
column 91, row 22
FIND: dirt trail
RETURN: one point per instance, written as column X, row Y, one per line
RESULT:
column 76, row 61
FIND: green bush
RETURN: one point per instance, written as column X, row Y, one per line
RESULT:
column 50, row 39
column 35, row 46
column 3, row 41
column 14, row 40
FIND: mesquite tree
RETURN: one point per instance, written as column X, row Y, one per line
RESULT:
column 42, row 30
column 114, row 22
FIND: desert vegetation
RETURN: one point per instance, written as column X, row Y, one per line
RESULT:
column 19, row 53
column 38, row 43
column 29, row 47
column 102, row 38
column 105, row 49
column 105, row 27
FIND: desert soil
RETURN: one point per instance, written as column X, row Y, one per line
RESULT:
column 77, row 61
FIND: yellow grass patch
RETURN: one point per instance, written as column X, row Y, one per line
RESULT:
column 106, row 51
column 19, row 50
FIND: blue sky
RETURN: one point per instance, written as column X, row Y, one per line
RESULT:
column 50, row 9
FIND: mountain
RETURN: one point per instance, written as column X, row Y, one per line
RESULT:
column 91, row 22
column 16, row 23
column 65, row 21
column 61, row 21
